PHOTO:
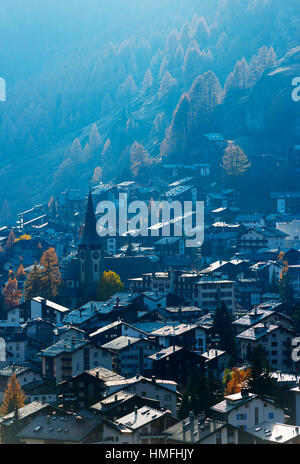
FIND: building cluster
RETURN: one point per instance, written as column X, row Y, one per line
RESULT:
column 116, row 371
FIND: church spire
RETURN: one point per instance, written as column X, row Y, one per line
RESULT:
column 90, row 236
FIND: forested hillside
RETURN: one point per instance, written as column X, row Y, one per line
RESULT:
column 111, row 91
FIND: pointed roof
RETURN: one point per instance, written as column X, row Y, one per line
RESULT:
column 90, row 236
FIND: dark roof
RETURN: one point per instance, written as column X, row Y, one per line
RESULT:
column 90, row 236
column 63, row 346
column 69, row 428
column 25, row 411
column 203, row 428
column 121, row 343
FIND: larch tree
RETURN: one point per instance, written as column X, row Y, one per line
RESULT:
column 76, row 151
column 10, row 240
column 108, row 161
column 167, row 87
column 97, row 175
column 127, row 90
column 177, row 136
column 139, row 158
column 202, row 32
column 95, row 142
column 193, row 63
column 12, row 294
column 14, row 397
column 110, row 284
column 148, row 81
column 50, row 274
column 234, row 162
column 236, row 380
column 21, row 272
column 33, row 285
column 86, row 154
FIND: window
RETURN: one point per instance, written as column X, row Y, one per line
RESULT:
column 271, row 415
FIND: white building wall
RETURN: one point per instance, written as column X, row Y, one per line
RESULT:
column 266, row 412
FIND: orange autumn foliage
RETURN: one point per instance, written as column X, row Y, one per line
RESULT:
column 237, row 380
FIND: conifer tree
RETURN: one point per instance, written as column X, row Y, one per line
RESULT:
column 33, row 285
column 50, row 274
column 76, row 151
column 139, row 158
column 223, row 327
column 198, row 395
column 14, row 397
column 95, row 141
column 21, row 272
column 148, row 81
column 10, row 240
column 12, row 294
column 235, row 162
column 97, row 175
column 260, row 380
column 236, row 380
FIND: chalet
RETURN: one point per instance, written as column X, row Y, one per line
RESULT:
column 142, row 426
column 257, row 238
column 70, row 357
column 87, row 388
column 115, row 330
column 275, row 339
column 165, row 391
column 177, row 363
column 251, row 220
column 201, row 430
column 130, row 354
column 25, row 375
column 245, row 410
column 261, row 315
column 37, row 308
column 216, row 361
column 189, row 336
column 67, row 429
column 122, row 403
column 25, row 416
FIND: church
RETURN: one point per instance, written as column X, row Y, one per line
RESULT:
column 81, row 276
column 90, row 252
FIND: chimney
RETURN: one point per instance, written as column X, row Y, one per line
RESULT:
column 153, row 379
column 135, row 413
column 116, row 397
column 184, row 431
column 244, row 392
column 192, row 425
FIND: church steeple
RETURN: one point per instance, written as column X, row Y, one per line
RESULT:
column 90, row 236
column 90, row 252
